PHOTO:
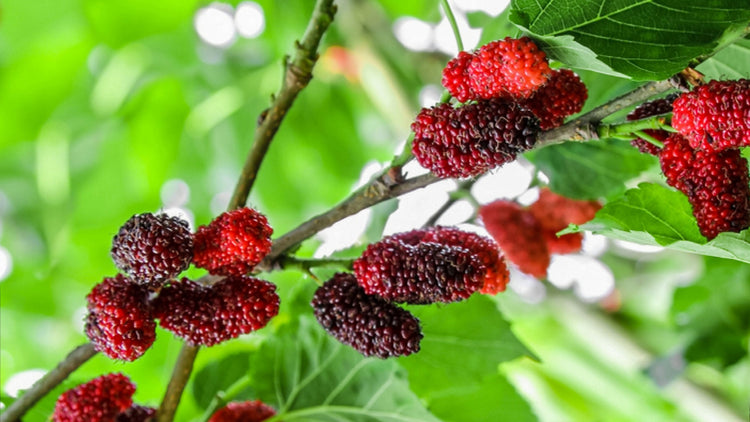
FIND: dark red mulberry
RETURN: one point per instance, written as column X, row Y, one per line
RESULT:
column 99, row 400
column 407, row 267
column 234, row 243
column 368, row 323
column 519, row 235
column 456, row 77
column 555, row 212
column 563, row 96
column 715, row 116
column 120, row 323
column 246, row 411
column 648, row 109
column 472, row 139
column 153, row 248
column 508, row 68
column 136, row 413
column 207, row 315
column 715, row 182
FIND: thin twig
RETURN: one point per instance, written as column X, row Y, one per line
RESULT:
column 454, row 26
column 296, row 77
column 462, row 191
column 52, row 379
column 180, row 376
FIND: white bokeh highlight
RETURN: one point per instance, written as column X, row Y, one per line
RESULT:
column 249, row 19
column 215, row 25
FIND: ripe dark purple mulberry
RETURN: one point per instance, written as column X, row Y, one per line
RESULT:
column 368, row 323
column 470, row 140
column 715, row 116
column 120, row 323
column 715, row 182
column 419, row 267
column 153, row 248
column 99, row 400
column 648, row 109
column 136, row 413
column 233, row 243
column 246, row 411
column 207, row 315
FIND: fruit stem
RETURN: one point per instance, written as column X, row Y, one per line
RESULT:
column 625, row 129
column 650, row 139
column 454, row 26
column 44, row 385
column 223, row 397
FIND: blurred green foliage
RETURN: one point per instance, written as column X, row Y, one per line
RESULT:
column 102, row 103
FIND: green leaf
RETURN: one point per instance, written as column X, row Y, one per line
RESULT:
column 464, row 344
column 592, row 169
column 656, row 215
column 309, row 376
column 645, row 40
column 218, row 375
column 733, row 62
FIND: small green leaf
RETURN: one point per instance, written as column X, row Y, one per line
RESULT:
column 645, row 40
column 592, row 169
column 218, row 375
column 309, row 376
column 733, row 62
column 656, row 215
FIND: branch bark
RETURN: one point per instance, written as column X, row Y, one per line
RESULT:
column 52, row 379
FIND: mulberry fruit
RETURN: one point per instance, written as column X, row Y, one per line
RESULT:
column 715, row 182
column 407, row 267
column 508, row 68
column 519, row 235
column 486, row 250
column 562, row 96
column 99, row 400
column 233, row 243
column 648, row 109
column 368, row 323
column 247, row 411
column 136, row 413
column 715, row 116
column 555, row 212
column 456, row 77
column 472, row 139
column 207, row 315
column 152, row 248
column 120, row 323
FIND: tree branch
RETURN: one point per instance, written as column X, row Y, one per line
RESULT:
column 52, row 379
column 296, row 77
column 180, row 376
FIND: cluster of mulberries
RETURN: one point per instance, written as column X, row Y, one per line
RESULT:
column 208, row 315
column 153, row 250
column 514, row 94
column 528, row 235
column 702, row 160
column 246, row 411
column 438, row 264
column 106, row 398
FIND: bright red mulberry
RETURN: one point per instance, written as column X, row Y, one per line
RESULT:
column 508, row 68
column 99, row 400
column 555, row 212
column 233, row 243
column 246, row 411
column 519, row 235
column 715, row 182
column 153, row 248
column 120, row 322
column 715, row 116
column 368, row 323
column 562, row 96
column 456, row 77
column 207, row 315
column 407, row 267
column 136, row 413
column 470, row 140
column 648, row 109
